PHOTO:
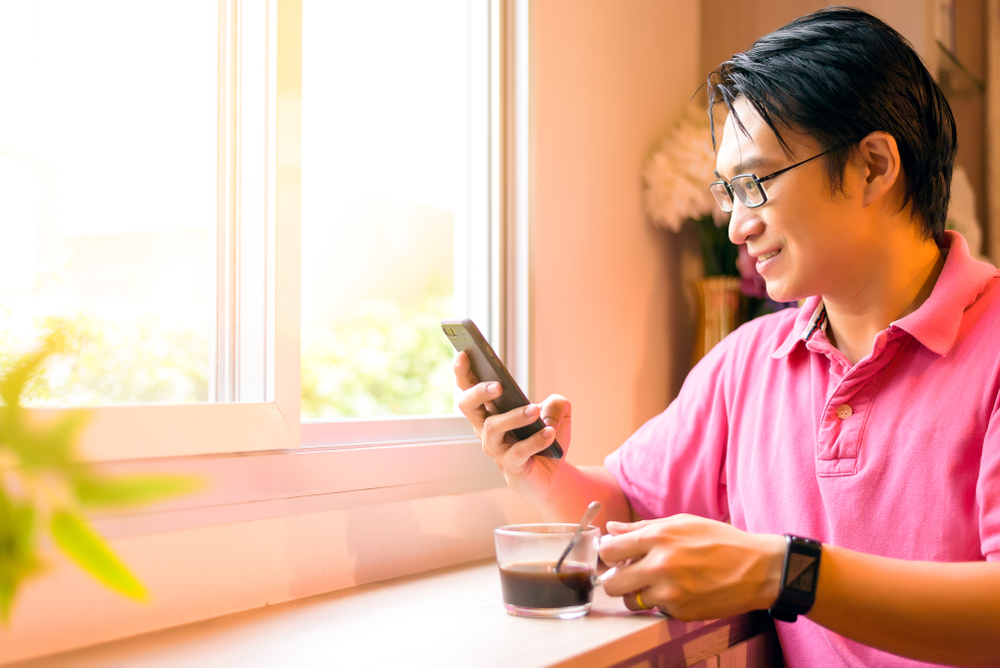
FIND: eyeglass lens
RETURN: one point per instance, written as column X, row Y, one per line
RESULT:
column 721, row 193
column 746, row 188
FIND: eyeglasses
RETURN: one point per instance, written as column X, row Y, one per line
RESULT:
column 749, row 187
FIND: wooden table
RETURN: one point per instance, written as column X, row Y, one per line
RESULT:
column 448, row 617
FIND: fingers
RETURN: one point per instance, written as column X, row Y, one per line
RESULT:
column 616, row 528
column 626, row 579
column 631, row 544
column 644, row 600
column 478, row 395
column 519, row 454
column 556, row 409
column 476, row 402
column 691, row 567
column 463, row 372
column 637, row 596
column 634, row 586
column 626, row 549
column 635, row 601
column 513, row 419
column 496, row 440
column 557, row 413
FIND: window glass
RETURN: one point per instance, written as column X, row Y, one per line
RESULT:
column 386, row 127
column 108, row 194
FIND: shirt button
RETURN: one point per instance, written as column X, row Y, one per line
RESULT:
column 844, row 411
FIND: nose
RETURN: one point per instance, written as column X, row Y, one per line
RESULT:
column 743, row 223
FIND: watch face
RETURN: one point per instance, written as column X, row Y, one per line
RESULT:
column 802, row 572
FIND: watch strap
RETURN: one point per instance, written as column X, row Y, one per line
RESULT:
column 799, row 575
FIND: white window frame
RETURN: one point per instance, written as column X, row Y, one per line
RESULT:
column 236, row 444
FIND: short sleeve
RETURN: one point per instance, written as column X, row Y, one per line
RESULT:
column 676, row 461
column 988, row 490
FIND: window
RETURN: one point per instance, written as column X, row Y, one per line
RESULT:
column 395, row 206
column 107, row 170
column 256, row 155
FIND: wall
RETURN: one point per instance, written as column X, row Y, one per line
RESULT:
column 610, row 324
column 969, row 105
column 727, row 27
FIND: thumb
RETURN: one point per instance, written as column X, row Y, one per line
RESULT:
column 557, row 412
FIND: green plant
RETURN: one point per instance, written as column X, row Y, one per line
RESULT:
column 133, row 358
column 44, row 486
column 718, row 253
column 383, row 360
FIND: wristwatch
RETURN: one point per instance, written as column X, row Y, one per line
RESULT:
column 799, row 574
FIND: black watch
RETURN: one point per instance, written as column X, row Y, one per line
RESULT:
column 799, row 575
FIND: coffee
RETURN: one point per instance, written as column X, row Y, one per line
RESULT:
column 536, row 584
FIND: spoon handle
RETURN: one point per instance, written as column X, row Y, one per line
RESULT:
column 584, row 523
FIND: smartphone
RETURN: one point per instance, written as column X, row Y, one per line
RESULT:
column 486, row 366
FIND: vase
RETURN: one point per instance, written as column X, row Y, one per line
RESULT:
column 720, row 311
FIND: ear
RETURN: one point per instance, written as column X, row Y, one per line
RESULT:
column 880, row 165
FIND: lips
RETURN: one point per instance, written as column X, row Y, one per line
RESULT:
column 764, row 260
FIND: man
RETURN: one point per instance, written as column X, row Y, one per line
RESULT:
column 867, row 421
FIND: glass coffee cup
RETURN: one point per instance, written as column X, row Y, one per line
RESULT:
column 528, row 554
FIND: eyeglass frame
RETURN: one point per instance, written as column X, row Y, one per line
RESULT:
column 760, row 180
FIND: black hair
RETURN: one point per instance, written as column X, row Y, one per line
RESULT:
column 840, row 74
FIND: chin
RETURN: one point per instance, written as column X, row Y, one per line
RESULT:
column 776, row 294
column 784, row 293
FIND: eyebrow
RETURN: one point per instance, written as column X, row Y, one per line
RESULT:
column 745, row 166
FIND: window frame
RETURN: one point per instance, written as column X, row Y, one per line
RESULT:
column 222, row 438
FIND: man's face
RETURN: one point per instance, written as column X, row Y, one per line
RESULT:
column 805, row 239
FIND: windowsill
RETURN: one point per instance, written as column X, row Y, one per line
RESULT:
column 247, row 486
column 450, row 616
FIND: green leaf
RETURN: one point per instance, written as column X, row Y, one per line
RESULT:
column 8, row 589
column 78, row 539
column 44, row 446
column 61, row 437
column 134, row 490
column 12, row 385
column 17, row 550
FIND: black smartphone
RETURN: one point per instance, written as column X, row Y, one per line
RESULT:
column 486, row 366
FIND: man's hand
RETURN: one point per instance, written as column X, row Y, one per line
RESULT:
column 532, row 478
column 692, row 568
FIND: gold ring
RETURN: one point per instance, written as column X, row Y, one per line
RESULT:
column 638, row 599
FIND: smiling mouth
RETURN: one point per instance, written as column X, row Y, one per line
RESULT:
column 767, row 256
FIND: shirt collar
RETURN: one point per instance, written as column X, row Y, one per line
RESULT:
column 963, row 279
column 936, row 322
column 811, row 317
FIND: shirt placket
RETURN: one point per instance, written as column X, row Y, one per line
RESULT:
column 847, row 405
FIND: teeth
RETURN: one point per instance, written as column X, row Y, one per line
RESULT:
column 767, row 256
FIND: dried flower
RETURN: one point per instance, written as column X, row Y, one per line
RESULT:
column 679, row 172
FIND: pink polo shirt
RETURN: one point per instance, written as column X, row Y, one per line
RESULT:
column 898, row 455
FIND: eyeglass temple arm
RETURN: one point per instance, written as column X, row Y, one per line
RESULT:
column 798, row 164
column 782, row 171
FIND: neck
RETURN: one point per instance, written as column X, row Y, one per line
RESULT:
column 902, row 282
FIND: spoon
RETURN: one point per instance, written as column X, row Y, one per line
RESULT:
column 584, row 523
